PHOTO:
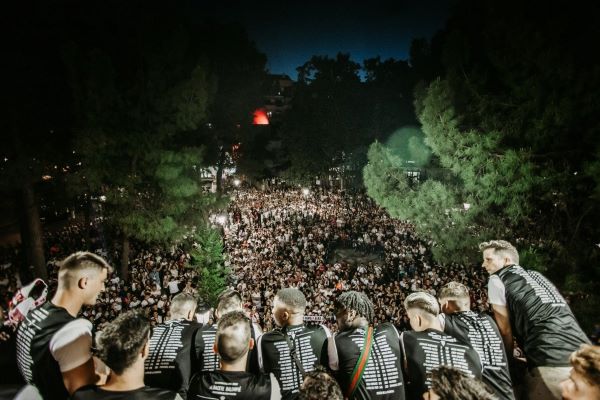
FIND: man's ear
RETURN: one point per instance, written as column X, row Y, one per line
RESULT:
column 251, row 344
column 444, row 306
column 285, row 316
column 82, row 282
column 216, row 348
column 419, row 320
column 217, row 314
column 351, row 315
column 191, row 314
column 146, row 349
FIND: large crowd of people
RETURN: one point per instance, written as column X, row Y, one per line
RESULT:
column 404, row 320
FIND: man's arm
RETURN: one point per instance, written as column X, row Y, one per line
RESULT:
column 502, row 317
column 79, row 376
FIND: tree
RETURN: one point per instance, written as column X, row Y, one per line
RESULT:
column 327, row 119
column 207, row 260
column 500, row 123
column 135, row 99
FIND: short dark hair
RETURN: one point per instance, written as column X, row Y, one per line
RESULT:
column 229, row 300
column 319, row 385
column 292, row 298
column 233, row 335
column 121, row 341
column 357, row 301
column 452, row 384
column 79, row 261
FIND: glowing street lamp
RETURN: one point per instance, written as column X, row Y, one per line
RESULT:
column 237, row 182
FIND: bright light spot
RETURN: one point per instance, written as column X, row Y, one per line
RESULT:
column 260, row 117
column 5, row 159
column 305, row 191
column 102, row 198
column 237, row 182
column 221, row 219
column 46, row 177
column 466, row 206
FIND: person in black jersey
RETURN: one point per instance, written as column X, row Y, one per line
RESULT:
column 427, row 347
column 53, row 345
column 528, row 306
column 231, row 381
column 293, row 349
column 382, row 376
column 481, row 332
column 448, row 383
column 123, row 346
column 319, row 385
column 228, row 301
column 173, row 354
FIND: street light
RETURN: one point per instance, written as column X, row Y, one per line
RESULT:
column 236, row 182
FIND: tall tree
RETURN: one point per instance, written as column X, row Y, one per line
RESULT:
column 501, row 123
column 136, row 94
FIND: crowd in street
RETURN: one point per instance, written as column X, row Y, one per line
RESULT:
column 276, row 238
column 285, row 238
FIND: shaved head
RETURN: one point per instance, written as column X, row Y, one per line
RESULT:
column 233, row 336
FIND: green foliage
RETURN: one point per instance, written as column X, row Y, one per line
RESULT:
column 132, row 113
column 207, row 260
column 501, row 124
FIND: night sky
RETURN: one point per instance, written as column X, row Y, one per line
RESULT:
column 290, row 32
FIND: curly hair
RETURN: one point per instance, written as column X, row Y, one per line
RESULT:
column 451, row 384
column 121, row 341
column 502, row 247
column 319, row 385
column 586, row 361
column 357, row 301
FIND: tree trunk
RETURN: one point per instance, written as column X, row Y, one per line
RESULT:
column 87, row 221
column 33, row 240
column 125, row 258
column 220, row 167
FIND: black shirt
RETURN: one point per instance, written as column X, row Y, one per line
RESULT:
column 96, row 393
column 310, row 344
column 428, row 350
column 382, row 377
column 35, row 361
column 541, row 320
column 223, row 385
column 481, row 332
column 173, row 357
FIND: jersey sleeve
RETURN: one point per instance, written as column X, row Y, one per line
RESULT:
column 260, row 353
column 334, row 363
column 71, row 345
column 275, row 388
column 496, row 291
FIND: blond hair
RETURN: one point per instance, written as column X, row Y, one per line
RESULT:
column 586, row 361
column 501, row 247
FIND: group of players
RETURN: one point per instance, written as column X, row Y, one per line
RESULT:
column 451, row 351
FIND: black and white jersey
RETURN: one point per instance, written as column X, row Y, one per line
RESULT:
column 144, row 393
column 172, row 359
column 308, row 342
column 49, row 341
column 481, row 332
column 209, row 360
column 541, row 319
column 427, row 350
column 224, row 385
column 382, row 376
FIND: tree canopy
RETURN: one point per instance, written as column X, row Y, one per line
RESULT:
column 510, row 123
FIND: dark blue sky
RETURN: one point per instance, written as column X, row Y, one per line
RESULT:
column 290, row 32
